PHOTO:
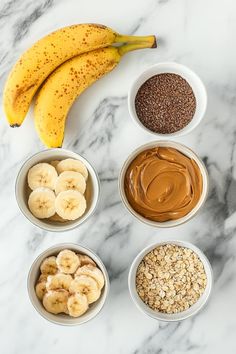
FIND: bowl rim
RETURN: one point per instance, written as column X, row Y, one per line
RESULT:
column 62, row 228
column 172, row 65
column 182, row 148
column 155, row 314
column 73, row 246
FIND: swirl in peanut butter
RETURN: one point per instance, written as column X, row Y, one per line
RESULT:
column 163, row 184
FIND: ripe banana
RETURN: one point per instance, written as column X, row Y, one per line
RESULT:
column 70, row 180
column 70, row 205
column 67, row 261
column 42, row 175
column 72, row 165
column 46, row 55
column 66, row 83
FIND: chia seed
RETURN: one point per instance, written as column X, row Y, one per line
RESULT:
column 165, row 103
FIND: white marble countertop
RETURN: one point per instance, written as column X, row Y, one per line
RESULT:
column 200, row 34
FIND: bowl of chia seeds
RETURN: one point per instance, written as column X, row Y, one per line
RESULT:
column 168, row 99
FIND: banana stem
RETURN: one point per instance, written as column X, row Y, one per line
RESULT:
column 120, row 38
column 132, row 46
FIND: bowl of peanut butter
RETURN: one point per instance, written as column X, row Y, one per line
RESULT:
column 163, row 183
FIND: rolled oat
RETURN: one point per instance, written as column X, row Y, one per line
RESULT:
column 170, row 278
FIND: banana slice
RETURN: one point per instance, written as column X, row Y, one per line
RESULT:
column 77, row 304
column 40, row 290
column 86, row 285
column 42, row 203
column 54, row 163
column 67, row 261
column 72, row 165
column 40, row 287
column 48, row 266
column 58, row 281
column 42, row 175
column 84, row 260
column 42, row 277
column 55, row 301
column 70, row 180
column 70, row 205
column 92, row 272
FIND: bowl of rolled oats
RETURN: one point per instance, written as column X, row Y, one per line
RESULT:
column 170, row 280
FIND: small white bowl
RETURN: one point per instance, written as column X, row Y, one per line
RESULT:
column 63, row 319
column 21, row 189
column 194, row 309
column 193, row 80
column 186, row 151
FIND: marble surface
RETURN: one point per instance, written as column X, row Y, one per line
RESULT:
column 200, row 34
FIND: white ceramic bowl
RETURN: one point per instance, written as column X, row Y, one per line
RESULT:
column 186, row 151
column 21, row 189
column 193, row 80
column 194, row 309
column 64, row 319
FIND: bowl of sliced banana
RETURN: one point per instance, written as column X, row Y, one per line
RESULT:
column 68, row 284
column 57, row 189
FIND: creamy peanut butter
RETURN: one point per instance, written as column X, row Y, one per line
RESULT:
column 163, row 184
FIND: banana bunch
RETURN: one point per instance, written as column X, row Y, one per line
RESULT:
column 69, row 283
column 63, row 64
